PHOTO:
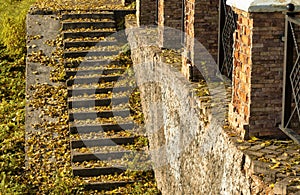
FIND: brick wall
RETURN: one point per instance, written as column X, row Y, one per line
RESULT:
column 146, row 12
column 206, row 25
column 267, row 73
column 170, row 23
column 173, row 13
column 201, row 25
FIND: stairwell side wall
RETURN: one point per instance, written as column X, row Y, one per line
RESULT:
column 191, row 154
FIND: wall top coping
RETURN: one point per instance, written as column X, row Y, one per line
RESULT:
column 263, row 5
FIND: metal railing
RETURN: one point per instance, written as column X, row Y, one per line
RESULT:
column 291, row 80
column 227, row 26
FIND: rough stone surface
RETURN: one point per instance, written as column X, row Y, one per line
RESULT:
column 189, row 157
column 192, row 153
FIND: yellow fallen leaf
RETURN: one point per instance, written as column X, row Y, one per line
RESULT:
column 274, row 160
column 275, row 166
column 254, row 138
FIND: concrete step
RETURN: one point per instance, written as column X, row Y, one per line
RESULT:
column 91, row 91
column 92, row 115
column 90, row 63
column 94, row 33
column 88, row 49
column 106, row 185
column 76, row 54
column 93, row 172
column 80, row 157
column 87, row 103
column 94, row 71
column 101, row 142
column 95, row 25
column 94, row 15
column 91, row 80
column 69, row 44
column 89, row 128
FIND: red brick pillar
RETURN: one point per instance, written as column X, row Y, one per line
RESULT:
column 255, row 108
column 239, row 109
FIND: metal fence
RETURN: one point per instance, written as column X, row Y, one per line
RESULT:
column 291, row 82
column 227, row 26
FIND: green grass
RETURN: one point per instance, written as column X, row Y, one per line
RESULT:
column 12, row 119
column 12, row 95
column 12, row 26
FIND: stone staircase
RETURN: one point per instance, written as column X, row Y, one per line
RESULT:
column 104, row 136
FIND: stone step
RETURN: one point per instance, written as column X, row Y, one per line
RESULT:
column 76, row 54
column 89, row 128
column 80, row 157
column 94, row 33
column 101, row 142
column 97, row 171
column 91, row 80
column 91, row 63
column 92, row 115
column 69, row 44
column 95, row 15
column 87, row 103
column 106, row 185
column 91, row 91
column 94, row 71
column 95, row 25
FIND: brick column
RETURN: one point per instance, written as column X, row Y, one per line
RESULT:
column 256, row 104
column 239, row 109
column 201, row 25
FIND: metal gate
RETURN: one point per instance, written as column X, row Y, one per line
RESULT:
column 227, row 26
column 291, row 82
